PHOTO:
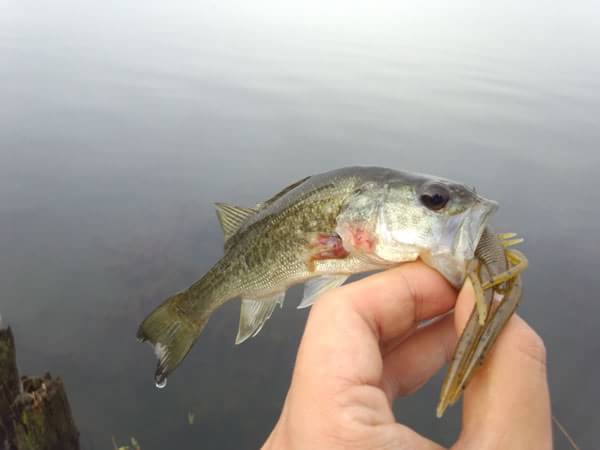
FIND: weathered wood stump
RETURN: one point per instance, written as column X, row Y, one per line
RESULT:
column 42, row 416
column 34, row 411
column 9, row 382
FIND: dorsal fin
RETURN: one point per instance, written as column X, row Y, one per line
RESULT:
column 281, row 193
column 232, row 217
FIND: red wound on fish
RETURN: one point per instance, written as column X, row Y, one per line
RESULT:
column 327, row 246
column 361, row 239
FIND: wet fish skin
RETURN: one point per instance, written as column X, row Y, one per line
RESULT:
column 337, row 223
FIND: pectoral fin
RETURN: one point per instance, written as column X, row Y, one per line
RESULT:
column 317, row 286
column 254, row 314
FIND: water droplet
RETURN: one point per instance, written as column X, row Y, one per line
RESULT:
column 161, row 383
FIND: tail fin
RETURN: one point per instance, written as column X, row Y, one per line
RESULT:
column 171, row 333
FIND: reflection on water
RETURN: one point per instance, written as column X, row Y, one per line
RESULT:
column 122, row 124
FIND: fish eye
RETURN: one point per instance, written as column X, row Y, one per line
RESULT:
column 434, row 197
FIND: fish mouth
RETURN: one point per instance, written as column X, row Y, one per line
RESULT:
column 460, row 238
column 472, row 227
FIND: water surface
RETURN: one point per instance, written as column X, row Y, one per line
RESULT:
column 122, row 122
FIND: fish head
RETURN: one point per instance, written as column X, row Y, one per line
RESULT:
column 408, row 217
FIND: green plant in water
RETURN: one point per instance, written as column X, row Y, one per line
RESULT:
column 134, row 445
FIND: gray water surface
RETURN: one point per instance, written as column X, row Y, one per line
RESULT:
column 121, row 122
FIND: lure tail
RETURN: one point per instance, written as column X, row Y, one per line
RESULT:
column 171, row 332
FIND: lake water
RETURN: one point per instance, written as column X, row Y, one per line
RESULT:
column 121, row 123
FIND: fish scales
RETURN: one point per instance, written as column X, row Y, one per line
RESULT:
column 271, row 252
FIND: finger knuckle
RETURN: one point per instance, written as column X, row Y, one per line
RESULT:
column 344, row 436
column 358, row 409
column 531, row 345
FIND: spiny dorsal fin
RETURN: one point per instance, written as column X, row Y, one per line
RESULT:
column 254, row 314
column 232, row 217
column 281, row 193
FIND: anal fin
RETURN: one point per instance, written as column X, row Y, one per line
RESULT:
column 254, row 314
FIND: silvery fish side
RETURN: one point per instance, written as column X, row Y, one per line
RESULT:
column 320, row 230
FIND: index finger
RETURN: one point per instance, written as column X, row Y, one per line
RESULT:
column 507, row 401
column 348, row 326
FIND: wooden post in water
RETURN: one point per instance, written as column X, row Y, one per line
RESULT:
column 9, row 383
column 34, row 411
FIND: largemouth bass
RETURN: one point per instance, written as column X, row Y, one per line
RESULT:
column 319, row 231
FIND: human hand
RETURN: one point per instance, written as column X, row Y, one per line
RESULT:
column 361, row 349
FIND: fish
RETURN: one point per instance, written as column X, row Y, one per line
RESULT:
column 319, row 231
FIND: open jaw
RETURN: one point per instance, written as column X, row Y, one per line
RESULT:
column 469, row 228
column 458, row 240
